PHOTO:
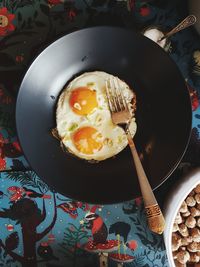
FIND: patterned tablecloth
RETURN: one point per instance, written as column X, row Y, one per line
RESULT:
column 43, row 228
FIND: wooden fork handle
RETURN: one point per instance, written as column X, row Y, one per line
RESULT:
column 155, row 217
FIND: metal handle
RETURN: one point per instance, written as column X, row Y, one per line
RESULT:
column 188, row 21
column 156, row 221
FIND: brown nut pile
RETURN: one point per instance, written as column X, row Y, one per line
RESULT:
column 186, row 231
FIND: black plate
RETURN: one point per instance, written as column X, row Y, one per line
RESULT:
column 163, row 113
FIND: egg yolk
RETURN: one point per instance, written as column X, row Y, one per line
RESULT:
column 87, row 140
column 83, row 100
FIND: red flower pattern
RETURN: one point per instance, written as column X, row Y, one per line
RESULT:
column 17, row 146
column 195, row 100
column 144, row 11
column 71, row 14
column 2, row 160
column 194, row 97
column 54, row 2
column 138, row 201
column 19, row 58
column 132, row 244
column 2, row 164
column 6, row 19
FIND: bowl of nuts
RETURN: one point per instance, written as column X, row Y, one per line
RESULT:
column 182, row 215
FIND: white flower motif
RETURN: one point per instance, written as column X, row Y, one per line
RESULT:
column 81, row 222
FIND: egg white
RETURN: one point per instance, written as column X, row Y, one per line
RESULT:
column 113, row 137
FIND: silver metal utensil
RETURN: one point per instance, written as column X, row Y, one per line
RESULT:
column 187, row 22
column 121, row 115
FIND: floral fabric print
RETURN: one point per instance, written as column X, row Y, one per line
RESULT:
column 6, row 21
column 39, row 226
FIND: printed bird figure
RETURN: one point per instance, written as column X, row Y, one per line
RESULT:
column 33, row 194
column 95, row 223
column 18, row 193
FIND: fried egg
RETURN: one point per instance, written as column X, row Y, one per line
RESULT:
column 83, row 118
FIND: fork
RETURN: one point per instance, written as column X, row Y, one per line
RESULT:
column 121, row 115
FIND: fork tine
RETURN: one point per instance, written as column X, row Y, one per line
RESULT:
column 115, row 95
column 122, row 98
column 109, row 98
column 119, row 94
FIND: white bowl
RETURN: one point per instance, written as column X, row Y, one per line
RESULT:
column 172, row 205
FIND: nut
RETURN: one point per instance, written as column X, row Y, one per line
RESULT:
column 186, row 240
column 191, row 202
column 183, row 257
column 176, row 241
column 197, row 198
column 194, row 212
column 183, row 230
column 197, row 189
column 174, row 253
column 175, row 227
column 178, row 218
column 193, row 247
column 183, row 207
column 195, row 234
column 186, row 214
column 194, row 257
column 190, row 222
column 198, row 222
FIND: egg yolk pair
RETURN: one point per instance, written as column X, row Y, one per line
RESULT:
column 86, row 139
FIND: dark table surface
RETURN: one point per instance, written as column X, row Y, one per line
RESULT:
column 29, row 209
